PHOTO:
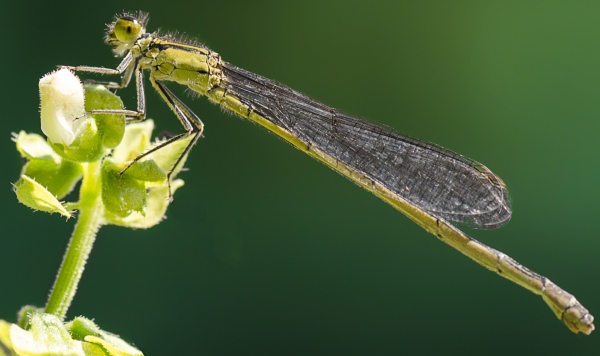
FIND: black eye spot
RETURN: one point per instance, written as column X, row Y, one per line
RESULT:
column 128, row 29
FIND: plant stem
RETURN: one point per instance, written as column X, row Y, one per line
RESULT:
column 89, row 221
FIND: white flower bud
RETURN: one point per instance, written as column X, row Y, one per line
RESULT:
column 62, row 105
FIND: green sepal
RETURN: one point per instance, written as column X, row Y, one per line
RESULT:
column 24, row 315
column 37, row 197
column 167, row 156
column 59, row 179
column 34, row 146
column 87, row 146
column 47, row 336
column 135, row 141
column 81, row 327
column 157, row 201
column 147, row 171
column 111, row 128
column 121, row 193
column 86, row 330
column 57, row 175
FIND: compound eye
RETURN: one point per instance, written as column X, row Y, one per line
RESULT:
column 127, row 29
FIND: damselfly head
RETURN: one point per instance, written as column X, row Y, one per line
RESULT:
column 124, row 31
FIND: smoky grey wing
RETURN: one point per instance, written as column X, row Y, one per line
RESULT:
column 439, row 181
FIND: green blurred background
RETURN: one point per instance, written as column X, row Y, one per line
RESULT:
column 266, row 251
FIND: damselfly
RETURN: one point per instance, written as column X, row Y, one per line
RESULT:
column 431, row 185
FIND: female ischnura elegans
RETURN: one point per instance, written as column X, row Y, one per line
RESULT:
column 431, row 185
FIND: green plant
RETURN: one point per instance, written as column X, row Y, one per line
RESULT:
column 96, row 150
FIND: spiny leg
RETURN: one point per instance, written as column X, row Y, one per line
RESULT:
column 126, row 67
column 188, row 119
column 131, row 115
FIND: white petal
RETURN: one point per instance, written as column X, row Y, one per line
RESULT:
column 62, row 101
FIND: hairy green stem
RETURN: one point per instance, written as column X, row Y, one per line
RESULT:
column 80, row 245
